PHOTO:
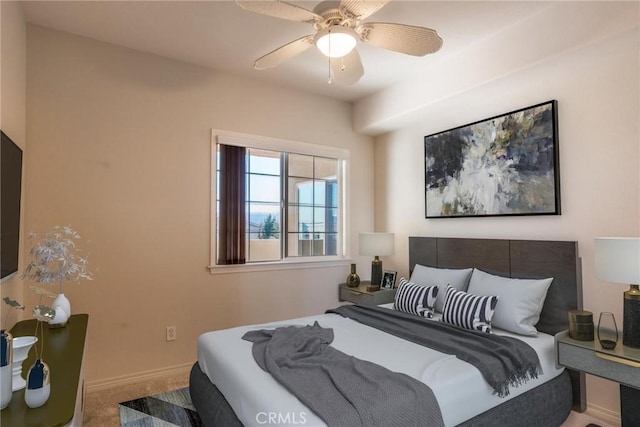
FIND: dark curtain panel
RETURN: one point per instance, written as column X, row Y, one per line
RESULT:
column 231, row 222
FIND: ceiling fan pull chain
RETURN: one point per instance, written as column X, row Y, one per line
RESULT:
column 329, row 58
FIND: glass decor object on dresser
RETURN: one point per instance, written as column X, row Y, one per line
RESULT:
column 607, row 330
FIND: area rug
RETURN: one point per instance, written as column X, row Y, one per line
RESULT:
column 173, row 408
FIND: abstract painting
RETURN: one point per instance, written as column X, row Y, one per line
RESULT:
column 505, row 165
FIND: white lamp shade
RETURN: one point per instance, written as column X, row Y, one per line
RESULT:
column 617, row 259
column 377, row 244
column 336, row 41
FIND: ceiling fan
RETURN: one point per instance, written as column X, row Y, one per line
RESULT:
column 338, row 26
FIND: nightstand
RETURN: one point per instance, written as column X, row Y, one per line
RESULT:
column 621, row 365
column 360, row 295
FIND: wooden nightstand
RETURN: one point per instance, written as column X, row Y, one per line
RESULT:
column 621, row 365
column 360, row 295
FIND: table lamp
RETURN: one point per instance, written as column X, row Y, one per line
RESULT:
column 617, row 260
column 376, row 245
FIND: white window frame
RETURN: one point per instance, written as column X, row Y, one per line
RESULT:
column 282, row 145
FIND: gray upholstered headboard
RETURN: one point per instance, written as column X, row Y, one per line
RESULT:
column 525, row 259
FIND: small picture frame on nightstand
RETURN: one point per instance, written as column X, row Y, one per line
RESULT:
column 388, row 279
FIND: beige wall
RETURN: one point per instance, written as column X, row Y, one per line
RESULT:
column 597, row 89
column 120, row 149
column 13, row 64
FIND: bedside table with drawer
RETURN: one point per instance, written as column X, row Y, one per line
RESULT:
column 621, row 365
column 360, row 295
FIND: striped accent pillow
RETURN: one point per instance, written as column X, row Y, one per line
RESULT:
column 415, row 299
column 468, row 311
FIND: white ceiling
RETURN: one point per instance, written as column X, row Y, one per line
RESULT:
column 220, row 35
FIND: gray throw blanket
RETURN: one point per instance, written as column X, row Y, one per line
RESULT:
column 502, row 361
column 340, row 389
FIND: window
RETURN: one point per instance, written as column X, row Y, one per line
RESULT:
column 276, row 202
column 312, row 205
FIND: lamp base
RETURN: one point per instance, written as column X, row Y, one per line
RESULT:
column 376, row 272
column 631, row 325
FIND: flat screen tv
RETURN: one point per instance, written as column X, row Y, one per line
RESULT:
column 10, row 188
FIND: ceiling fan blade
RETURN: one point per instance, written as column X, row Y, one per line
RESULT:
column 361, row 9
column 280, row 9
column 348, row 69
column 281, row 54
column 417, row 41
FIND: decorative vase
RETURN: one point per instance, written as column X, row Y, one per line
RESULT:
column 62, row 306
column 60, row 318
column 6, row 361
column 38, row 385
column 353, row 280
column 607, row 331
column 63, row 302
column 21, row 347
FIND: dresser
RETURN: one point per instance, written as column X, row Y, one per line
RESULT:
column 63, row 351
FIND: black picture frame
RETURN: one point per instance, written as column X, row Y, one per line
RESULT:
column 507, row 165
column 388, row 279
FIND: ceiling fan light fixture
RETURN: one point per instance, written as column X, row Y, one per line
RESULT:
column 336, row 41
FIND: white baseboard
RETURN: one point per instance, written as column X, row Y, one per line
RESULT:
column 603, row 414
column 125, row 380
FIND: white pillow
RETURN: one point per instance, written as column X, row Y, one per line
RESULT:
column 469, row 311
column 415, row 299
column 441, row 277
column 521, row 300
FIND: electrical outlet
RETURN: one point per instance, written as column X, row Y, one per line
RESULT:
column 171, row 333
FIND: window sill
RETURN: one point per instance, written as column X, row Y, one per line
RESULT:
column 276, row 266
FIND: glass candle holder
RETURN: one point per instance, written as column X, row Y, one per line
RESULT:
column 607, row 330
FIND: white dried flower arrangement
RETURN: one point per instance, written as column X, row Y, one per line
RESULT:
column 55, row 258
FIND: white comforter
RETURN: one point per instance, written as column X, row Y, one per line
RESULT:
column 258, row 400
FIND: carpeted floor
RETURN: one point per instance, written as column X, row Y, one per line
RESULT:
column 173, row 408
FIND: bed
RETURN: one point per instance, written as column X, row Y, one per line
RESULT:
column 221, row 400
